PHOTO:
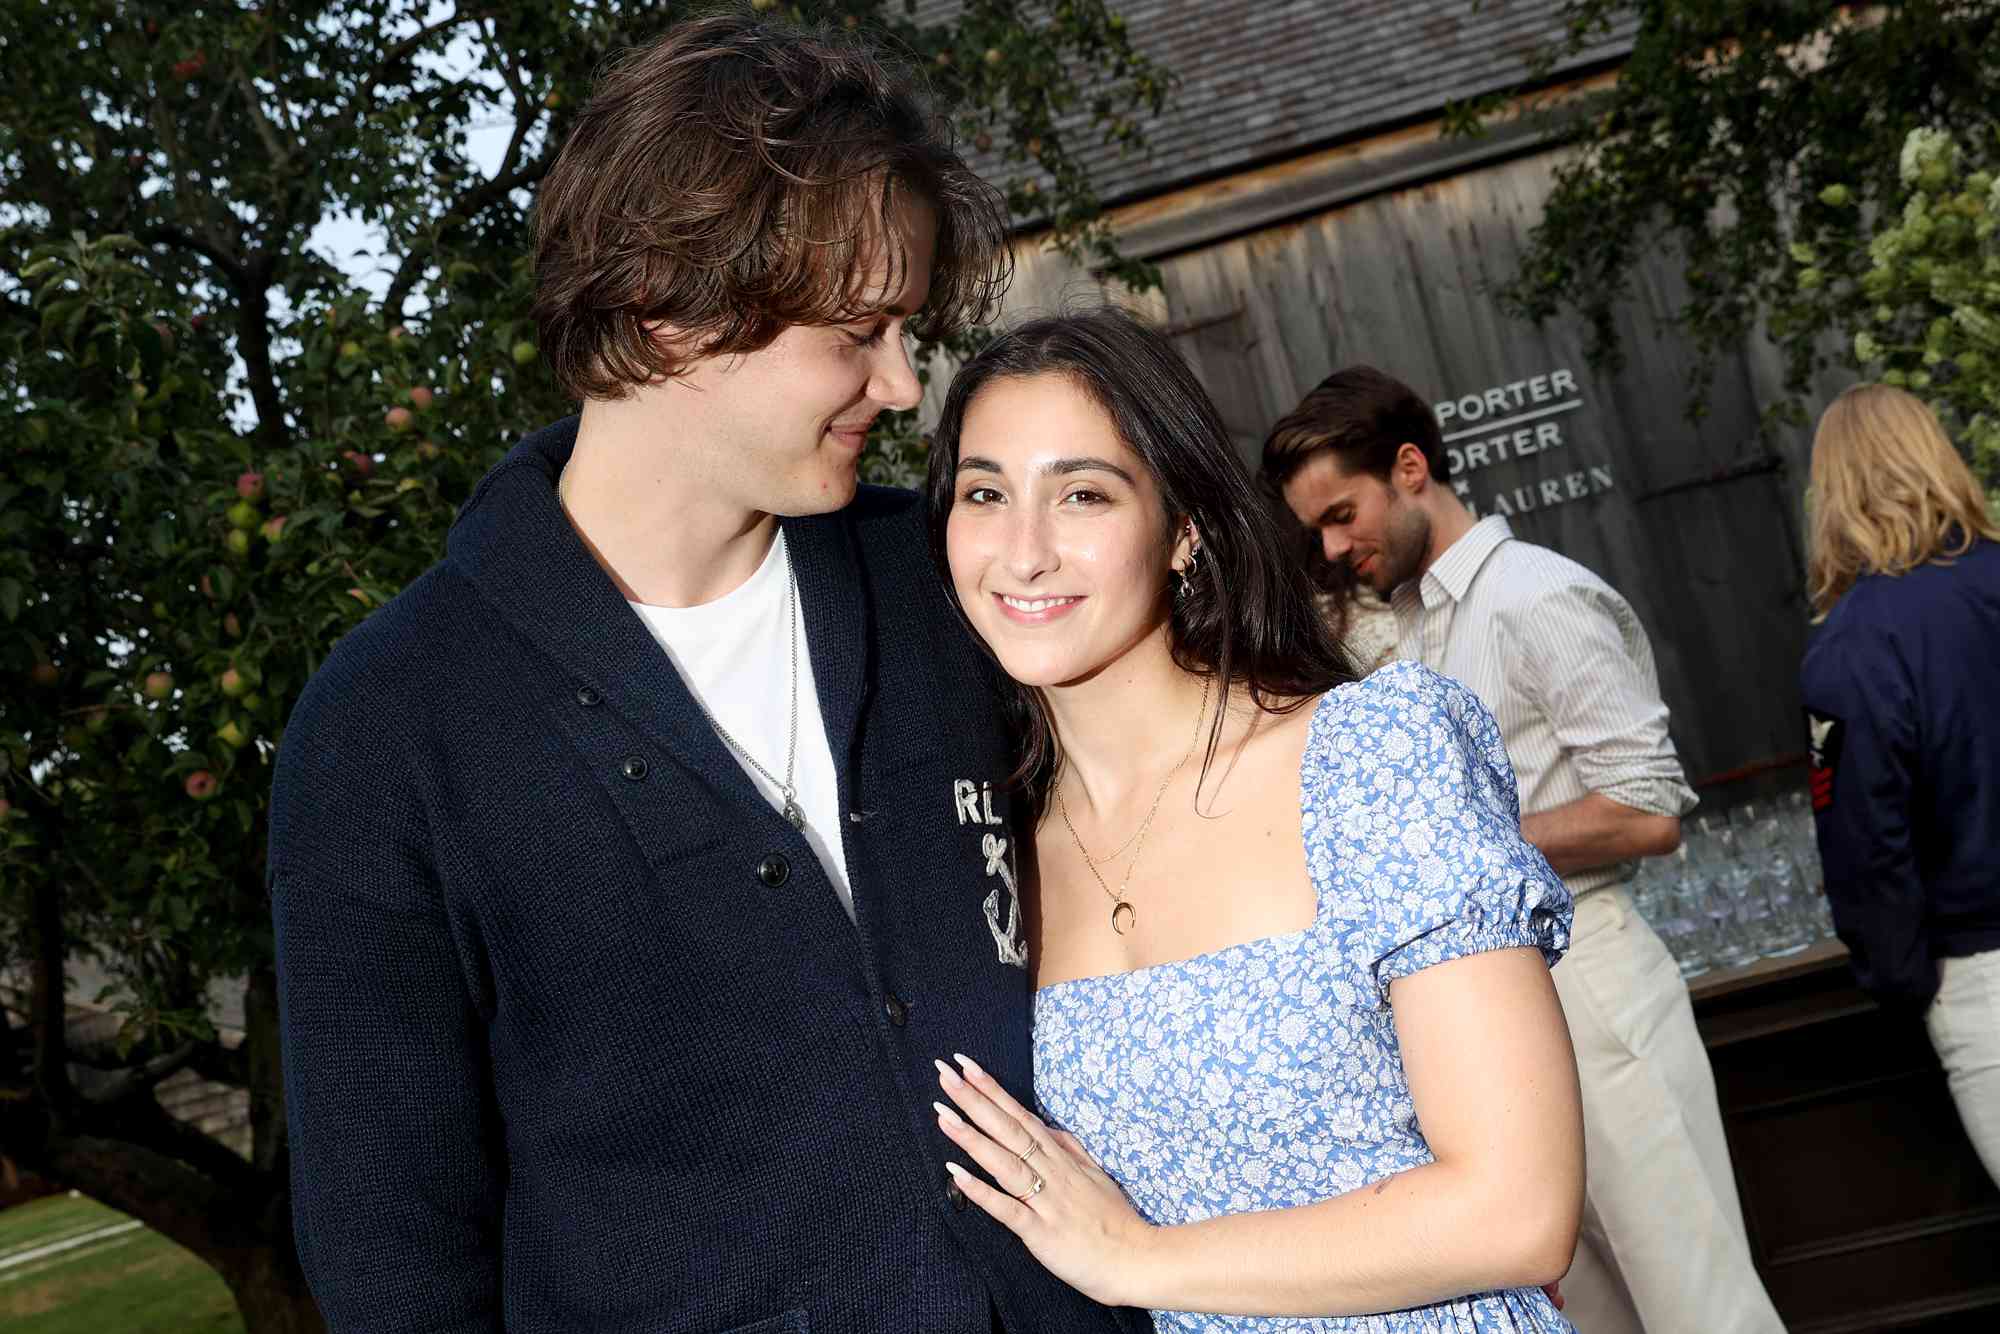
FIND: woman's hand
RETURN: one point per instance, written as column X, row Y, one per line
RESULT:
column 1072, row 1217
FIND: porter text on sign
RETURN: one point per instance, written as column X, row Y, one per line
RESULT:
column 1505, row 423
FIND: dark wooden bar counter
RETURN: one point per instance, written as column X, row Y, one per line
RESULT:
column 1866, row 1205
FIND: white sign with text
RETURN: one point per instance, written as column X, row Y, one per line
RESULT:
column 1505, row 423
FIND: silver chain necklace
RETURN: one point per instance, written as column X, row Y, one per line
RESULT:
column 793, row 812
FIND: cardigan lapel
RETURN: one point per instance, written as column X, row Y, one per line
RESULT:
column 512, row 540
column 837, row 622
column 514, row 543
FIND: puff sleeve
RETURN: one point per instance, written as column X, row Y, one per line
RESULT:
column 1413, row 832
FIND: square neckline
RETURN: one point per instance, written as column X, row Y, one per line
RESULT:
column 1313, row 730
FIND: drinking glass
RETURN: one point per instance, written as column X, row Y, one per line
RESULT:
column 1709, row 826
column 1764, row 849
column 1647, row 886
column 1804, row 835
column 1804, row 838
column 1792, row 927
column 1706, row 895
column 1702, row 841
column 1737, row 874
column 1752, row 830
column 1684, row 930
column 1806, row 900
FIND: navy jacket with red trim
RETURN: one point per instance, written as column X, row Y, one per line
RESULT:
column 1902, row 696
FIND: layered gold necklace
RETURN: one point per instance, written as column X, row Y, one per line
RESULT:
column 1123, row 916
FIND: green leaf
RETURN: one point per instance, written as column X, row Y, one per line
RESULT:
column 10, row 599
column 75, row 321
column 56, row 313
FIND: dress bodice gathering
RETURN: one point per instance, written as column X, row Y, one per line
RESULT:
column 1267, row 1074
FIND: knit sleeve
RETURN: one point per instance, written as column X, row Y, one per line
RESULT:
column 394, row 1140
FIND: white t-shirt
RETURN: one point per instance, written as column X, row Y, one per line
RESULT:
column 735, row 654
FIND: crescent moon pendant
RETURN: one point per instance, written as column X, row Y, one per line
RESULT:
column 1123, row 918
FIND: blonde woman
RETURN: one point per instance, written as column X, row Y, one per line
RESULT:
column 1899, row 688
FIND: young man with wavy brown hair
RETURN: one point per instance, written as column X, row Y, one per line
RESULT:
column 630, row 869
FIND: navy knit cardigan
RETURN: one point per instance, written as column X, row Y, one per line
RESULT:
column 577, row 1036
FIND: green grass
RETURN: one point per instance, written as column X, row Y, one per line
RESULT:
column 130, row 1282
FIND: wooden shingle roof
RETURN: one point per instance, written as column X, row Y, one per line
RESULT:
column 1265, row 80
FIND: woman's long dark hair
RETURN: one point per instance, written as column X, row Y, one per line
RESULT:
column 1249, row 618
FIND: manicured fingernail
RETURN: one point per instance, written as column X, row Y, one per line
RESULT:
column 971, row 1066
column 946, row 1073
column 958, row 1171
column 947, row 1115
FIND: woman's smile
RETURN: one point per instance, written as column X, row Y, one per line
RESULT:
column 1035, row 611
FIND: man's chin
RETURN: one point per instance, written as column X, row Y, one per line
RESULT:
column 1369, row 578
column 845, row 482
column 833, row 490
column 1385, row 576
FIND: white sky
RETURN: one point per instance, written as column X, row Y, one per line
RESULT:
column 355, row 246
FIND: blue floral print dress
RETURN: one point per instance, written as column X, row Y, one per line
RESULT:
column 1267, row 1074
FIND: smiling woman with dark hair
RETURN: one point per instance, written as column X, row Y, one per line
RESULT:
column 1256, row 626
column 1293, row 1008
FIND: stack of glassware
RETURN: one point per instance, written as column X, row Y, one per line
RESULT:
column 1739, row 888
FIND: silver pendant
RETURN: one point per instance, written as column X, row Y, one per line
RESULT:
column 795, row 815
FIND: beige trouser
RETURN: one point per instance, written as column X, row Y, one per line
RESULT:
column 1964, row 1023
column 1663, row 1247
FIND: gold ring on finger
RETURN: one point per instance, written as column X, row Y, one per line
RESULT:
column 1034, row 1147
column 1033, row 1190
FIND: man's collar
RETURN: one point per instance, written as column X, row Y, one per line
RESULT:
column 1451, row 574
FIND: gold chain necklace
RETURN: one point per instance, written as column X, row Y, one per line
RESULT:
column 1123, row 916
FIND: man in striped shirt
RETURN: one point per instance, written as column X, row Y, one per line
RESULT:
column 1562, row 663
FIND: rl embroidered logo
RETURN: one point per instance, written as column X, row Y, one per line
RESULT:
column 974, row 803
column 1825, row 734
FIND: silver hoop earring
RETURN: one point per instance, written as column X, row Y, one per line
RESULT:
column 1186, row 573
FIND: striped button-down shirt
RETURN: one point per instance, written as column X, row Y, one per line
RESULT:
column 1562, row 663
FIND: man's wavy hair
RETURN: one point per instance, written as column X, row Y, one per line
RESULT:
column 1360, row 415
column 735, row 178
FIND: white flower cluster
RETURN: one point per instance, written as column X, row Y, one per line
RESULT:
column 1931, row 293
column 1928, row 156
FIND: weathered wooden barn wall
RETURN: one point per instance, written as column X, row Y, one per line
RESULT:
column 1693, row 522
